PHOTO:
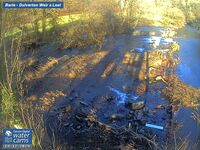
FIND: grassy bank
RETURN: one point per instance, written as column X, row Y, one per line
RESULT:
column 60, row 21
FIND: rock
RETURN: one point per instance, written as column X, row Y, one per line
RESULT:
column 79, row 118
column 129, row 117
column 108, row 98
column 78, row 127
column 158, row 78
column 66, row 124
column 76, row 95
column 126, row 88
column 54, row 109
column 159, row 106
column 68, row 109
column 89, row 124
column 84, row 103
column 141, row 131
column 72, row 74
column 53, row 113
column 139, row 50
column 115, row 117
column 141, row 89
column 81, row 115
column 131, row 113
column 108, row 70
column 129, row 125
column 135, row 105
column 152, row 33
column 175, row 108
column 71, row 99
column 162, row 99
column 138, row 122
column 140, row 115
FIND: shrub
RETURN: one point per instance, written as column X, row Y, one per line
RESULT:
column 7, row 107
column 174, row 47
column 173, row 17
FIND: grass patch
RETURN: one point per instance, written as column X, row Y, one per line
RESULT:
column 8, row 104
column 62, row 20
column 51, row 62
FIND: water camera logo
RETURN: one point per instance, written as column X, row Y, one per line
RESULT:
column 8, row 133
column 17, row 138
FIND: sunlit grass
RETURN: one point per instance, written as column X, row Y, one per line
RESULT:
column 41, row 70
column 108, row 70
column 79, row 66
column 49, row 98
column 7, row 106
column 62, row 20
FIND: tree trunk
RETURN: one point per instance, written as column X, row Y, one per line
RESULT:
column 44, row 16
column 1, row 22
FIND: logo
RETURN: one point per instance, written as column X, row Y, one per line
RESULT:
column 8, row 133
column 17, row 138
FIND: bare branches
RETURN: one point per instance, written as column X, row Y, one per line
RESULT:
column 196, row 116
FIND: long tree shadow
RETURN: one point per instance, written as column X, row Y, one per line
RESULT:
column 52, row 123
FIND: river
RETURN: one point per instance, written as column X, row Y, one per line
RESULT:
column 189, row 72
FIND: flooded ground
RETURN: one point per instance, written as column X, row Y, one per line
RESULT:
column 113, row 97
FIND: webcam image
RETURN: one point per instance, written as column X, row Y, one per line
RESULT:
column 100, row 74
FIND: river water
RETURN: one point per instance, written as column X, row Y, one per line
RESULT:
column 189, row 72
